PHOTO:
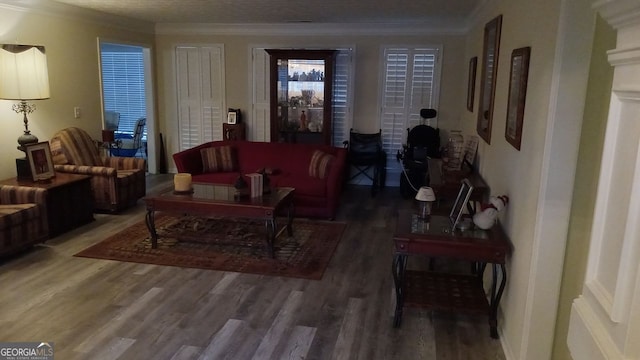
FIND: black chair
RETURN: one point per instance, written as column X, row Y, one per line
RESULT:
column 364, row 152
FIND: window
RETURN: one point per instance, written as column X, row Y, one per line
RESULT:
column 411, row 81
column 123, row 84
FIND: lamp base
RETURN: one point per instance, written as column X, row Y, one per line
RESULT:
column 23, row 169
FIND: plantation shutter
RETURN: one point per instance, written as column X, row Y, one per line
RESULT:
column 200, row 82
column 260, row 129
column 342, row 97
column 411, row 82
column 123, row 86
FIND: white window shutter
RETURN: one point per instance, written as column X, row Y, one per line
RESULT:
column 410, row 83
column 259, row 129
column 200, row 81
column 342, row 95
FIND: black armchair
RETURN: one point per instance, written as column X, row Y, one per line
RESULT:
column 364, row 152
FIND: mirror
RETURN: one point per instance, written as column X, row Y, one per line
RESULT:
column 488, row 78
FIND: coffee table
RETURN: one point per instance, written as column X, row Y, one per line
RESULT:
column 220, row 200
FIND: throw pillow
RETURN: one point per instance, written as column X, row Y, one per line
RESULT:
column 218, row 159
column 320, row 164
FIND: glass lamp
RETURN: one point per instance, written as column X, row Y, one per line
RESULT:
column 425, row 197
column 23, row 76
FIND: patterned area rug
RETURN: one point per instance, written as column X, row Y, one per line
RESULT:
column 226, row 245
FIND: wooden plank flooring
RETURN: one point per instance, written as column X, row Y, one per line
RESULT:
column 98, row 309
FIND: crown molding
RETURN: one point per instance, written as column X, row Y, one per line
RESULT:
column 53, row 8
column 619, row 13
column 441, row 27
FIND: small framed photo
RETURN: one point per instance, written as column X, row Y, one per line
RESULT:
column 232, row 117
column 40, row 162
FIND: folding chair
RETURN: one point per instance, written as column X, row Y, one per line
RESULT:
column 364, row 153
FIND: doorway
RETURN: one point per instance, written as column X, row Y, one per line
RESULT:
column 126, row 82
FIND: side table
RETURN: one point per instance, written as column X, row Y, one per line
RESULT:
column 448, row 291
column 69, row 200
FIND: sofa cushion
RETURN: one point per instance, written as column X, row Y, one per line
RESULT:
column 319, row 164
column 218, row 159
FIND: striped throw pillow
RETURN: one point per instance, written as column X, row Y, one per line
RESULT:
column 218, row 159
column 320, row 164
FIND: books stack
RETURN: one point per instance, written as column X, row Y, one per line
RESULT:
column 255, row 184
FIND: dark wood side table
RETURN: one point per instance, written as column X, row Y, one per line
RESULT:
column 69, row 200
column 234, row 131
column 454, row 292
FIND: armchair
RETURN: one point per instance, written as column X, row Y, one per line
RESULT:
column 116, row 182
column 23, row 217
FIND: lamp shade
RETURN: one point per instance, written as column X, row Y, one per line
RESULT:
column 23, row 72
column 425, row 193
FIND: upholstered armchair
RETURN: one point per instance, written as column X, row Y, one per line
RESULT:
column 23, row 217
column 116, row 182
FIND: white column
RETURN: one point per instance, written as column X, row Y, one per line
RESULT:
column 605, row 318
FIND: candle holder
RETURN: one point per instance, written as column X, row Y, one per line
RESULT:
column 182, row 184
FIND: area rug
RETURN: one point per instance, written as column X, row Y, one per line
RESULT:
column 226, row 245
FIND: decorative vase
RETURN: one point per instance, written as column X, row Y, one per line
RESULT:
column 455, row 150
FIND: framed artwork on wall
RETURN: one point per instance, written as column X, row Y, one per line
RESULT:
column 517, row 95
column 490, row 52
column 471, row 84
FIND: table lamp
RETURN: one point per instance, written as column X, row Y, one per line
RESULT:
column 23, row 76
column 425, row 197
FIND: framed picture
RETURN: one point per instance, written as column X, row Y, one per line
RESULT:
column 40, row 163
column 461, row 202
column 233, row 116
column 488, row 77
column 517, row 95
column 471, row 84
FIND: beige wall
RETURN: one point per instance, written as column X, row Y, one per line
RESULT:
column 366, row 87
column 72, row 56
column 507, row 170
column 587, row 172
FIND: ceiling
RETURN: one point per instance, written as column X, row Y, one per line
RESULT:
column 286, row 11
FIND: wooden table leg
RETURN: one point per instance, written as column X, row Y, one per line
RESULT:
column 495, row 298
column 271, row 227
column 150, row 220
column 398, row 269
column 290, row 212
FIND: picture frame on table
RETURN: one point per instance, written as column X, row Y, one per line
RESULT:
column 40, row 161
column 471, row 83
column 233, row 116
column 517, row 95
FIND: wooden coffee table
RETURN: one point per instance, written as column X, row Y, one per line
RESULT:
column 220, row 200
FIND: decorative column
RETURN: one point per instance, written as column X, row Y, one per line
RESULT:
column 605, row 319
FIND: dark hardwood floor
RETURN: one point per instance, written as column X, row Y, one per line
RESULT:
column 97, row 309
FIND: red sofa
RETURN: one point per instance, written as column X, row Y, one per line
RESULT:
column 290, row 163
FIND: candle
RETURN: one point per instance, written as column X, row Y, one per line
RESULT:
column 182, row 182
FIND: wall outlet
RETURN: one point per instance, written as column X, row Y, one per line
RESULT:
column 76, row 112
